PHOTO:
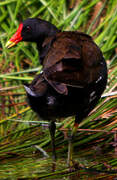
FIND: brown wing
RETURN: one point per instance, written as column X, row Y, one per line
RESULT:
column 38, row 86
column 73, row 60
column 63, row 47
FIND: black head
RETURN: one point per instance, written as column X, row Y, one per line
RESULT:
column 33, row 30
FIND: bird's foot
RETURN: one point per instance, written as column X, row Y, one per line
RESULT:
column 53, row 166
column 73, row 166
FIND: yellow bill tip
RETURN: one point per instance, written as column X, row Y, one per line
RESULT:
column 10, row 44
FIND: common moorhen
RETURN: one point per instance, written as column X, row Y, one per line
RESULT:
column 74, row 72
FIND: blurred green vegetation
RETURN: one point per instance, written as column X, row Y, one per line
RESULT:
column 20, row 128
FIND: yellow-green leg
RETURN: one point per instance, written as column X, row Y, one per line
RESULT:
column 70, row 145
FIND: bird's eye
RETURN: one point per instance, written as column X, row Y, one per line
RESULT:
column 28, row 28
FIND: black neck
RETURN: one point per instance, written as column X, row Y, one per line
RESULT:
column 46, row 29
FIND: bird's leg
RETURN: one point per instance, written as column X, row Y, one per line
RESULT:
column 52, row 128
column 70, row 146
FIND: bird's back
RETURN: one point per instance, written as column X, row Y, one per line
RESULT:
column 73, row 59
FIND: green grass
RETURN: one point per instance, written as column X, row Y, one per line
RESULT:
column 20, row 129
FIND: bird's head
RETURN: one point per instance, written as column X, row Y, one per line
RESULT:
column 33, row 30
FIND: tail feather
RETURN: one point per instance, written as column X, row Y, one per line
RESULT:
column 29, row 91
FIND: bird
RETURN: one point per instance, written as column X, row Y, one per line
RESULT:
column 74, row 74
